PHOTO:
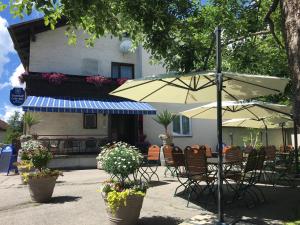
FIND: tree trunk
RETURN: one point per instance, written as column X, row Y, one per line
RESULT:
column 290, row 10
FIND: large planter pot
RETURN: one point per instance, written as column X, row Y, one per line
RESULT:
column 126, row 215
column 41, row 188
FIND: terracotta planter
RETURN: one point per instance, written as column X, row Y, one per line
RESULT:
column 41, row 189
column 126, row 215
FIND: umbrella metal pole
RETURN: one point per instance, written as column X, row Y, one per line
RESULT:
column 267, row 138
column 219, row 125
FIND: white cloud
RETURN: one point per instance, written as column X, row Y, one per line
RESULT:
column 4, row 85
column 14, row 79
column 9, row 111
column 6, row 44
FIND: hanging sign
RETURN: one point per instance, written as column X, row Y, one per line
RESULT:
column 17, row 96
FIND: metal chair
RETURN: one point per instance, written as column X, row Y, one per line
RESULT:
column 196, row 170
column 168, row 155
column 179, row 165
column 284, row 170
column 150, row 164
column 246, row 180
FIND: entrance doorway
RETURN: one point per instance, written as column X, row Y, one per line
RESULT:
column 124, row 128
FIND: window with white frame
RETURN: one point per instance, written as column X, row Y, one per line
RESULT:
column 182, row 126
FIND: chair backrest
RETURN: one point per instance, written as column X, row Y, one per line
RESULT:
column 178, row 156
column 261, row 154
column 234, row 154
column 195, row 160
column 270, row 153
column 167, row 150
column 153, row 153
column 226, row 149
column 251, row 161
column 208, row 150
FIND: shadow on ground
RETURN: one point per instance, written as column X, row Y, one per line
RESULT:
column 63, row 199
column 157, row 183
column 281, row 203
column 159, row 220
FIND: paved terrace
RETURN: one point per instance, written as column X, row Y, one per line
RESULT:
column 75, row 201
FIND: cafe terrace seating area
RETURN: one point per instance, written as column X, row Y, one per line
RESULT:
column 245, row 172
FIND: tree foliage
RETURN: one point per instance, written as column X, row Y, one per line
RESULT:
column 15, row 128
column 179, row 33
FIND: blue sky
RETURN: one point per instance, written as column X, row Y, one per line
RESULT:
column 10, row 65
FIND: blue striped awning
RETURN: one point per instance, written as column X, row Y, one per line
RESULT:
column 81, row 105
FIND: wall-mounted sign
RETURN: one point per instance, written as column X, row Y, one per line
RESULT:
column 17, row 96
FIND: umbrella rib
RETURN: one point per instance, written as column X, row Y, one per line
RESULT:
column 274, row 110
column 201, row 112
column 186, row 97
column 176, row 85
column 206, row 85
column 257, row 85
column 158, row 89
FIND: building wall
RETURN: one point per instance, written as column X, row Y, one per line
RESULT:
column 274, row 136
column 50, row 52
column 53, row 123
column 203, row 131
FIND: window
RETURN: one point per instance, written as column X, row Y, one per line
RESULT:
column 122, row 70
column 90, row 121
column 182, row 126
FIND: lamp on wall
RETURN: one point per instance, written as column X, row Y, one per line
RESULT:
column 125, row 46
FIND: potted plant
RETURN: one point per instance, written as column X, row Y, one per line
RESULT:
column 30, row 120
column 41, row 182
column 123, row 198
column 164, row 118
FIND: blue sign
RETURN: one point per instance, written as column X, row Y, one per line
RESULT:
column 17, row 96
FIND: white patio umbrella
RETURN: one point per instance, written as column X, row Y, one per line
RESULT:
column 262, row 123
column 254, row 110
column 201, row 87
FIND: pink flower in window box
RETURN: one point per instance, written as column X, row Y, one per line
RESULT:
column 54, row 78
column 98, row 80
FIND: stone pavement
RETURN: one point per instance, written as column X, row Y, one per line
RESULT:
column 77, row 202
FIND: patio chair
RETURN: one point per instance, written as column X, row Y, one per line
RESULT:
column 150, row 164
column 208, row 153
column 284, row 169
column 196, row 170
column 168, row 155
column 247, row 179
column 269, row 164
column 179, row 165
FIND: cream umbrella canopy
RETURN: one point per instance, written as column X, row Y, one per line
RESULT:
column 262, row 123
column 239, row 109
column 199, row 87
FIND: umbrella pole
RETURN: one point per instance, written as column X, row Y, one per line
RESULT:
column 219, row 125
column 267, row 138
